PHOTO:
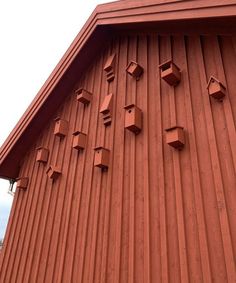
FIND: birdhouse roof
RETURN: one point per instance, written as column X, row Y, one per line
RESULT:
column 215, row 80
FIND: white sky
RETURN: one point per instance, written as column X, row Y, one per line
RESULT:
column 34, row 35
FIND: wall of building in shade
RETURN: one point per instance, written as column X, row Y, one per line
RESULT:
column 156, row 214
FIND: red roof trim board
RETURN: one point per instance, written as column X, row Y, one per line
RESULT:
column 120, row 12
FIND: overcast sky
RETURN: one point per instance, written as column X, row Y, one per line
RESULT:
column 34, row 35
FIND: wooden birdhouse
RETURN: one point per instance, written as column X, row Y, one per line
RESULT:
column 105, row 109
column 215, row 88
column 22, row 183
column 42, row 154
column 133, row 118
column 79, row 140
column 175, row 137
column 170, row 73
column 53, row 172
column 61, row 127
column 109, row 68
column 134, row 69
column 101, row 158
column 83, row 96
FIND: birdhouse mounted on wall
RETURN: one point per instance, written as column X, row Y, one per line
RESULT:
column 22, row 183
column 215, row 88
column 53, row 172
column 61, row 127
column 105, row 109
column 42, row 154
column 109, row 68
column 101, row 158
column 83, row 96
column 175, row 137
column 134, row 69
column 170, row 73
column 79, row 140
column 133, row 118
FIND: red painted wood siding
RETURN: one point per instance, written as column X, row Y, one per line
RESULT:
column 157, row 214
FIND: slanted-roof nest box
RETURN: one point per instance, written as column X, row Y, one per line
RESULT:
column 215, row 88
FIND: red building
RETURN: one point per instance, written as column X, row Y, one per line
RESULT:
column 125, row 160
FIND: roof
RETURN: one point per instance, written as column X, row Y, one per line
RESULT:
column 213, row 79
column 104, row 18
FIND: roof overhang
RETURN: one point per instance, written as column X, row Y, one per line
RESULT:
column 128, row 14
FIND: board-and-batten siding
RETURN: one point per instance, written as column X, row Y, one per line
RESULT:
column 157, row 214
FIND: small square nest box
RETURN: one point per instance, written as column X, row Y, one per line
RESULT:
column 61, row 127
column 83, row 96
column 22, row 183
column 42, row 154
column 53, row 172
column 133, row 118
column 134, row 69
column 170, row 73
column 175, row 137
column 101, row 158
column 79, row 140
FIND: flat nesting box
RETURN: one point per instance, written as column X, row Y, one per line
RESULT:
column 175, row 137
column 133, row 118
column 61, row 127
column 83, row 96
column 170, row 73
column 42, row 154
column 22, row 182
column 101, row 158
column 109, row 68
column 79, row 140
column 107, row 103
column 53, row 172
column 216, row 89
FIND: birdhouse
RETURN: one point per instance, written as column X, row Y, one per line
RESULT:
column 133, row 118
column 79, row 140
column 22, row 183
column 134, row 69
column 215, row 88
column 101, row 158
column 109, row 68
column 170, row 73
column 105, row 109
column 83, row 96
column 42, row 154
column 61, row 127
column 175, row 137
column 53, row 172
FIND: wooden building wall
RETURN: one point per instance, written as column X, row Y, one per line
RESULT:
column 158, row 214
